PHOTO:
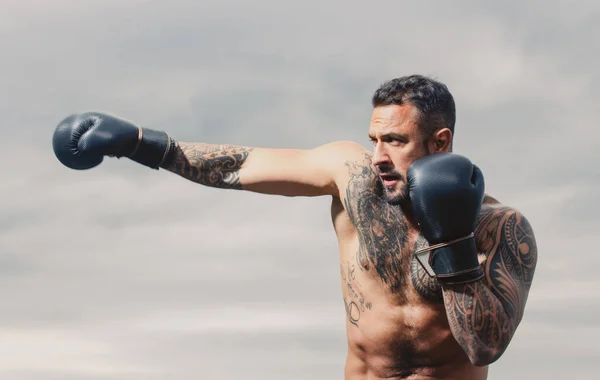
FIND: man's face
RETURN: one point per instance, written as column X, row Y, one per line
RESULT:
column 397, row 143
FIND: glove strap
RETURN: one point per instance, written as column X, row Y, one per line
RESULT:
column 153, row 148
column 452, row 262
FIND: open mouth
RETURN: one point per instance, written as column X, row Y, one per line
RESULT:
column 389, row 179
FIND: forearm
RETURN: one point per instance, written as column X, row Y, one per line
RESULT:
column 209, row 164
column 478, row 321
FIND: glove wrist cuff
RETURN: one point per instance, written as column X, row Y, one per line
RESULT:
column 452, row 262
column 153, row 148
column 444, row 244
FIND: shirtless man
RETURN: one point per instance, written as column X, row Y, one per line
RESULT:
column 445, row 312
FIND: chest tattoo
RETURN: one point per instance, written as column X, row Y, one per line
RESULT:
column 381, row 228
column 427, row 287
column 355, row 302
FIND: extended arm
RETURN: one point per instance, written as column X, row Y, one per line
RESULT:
column 288, row 172
column 81, row 142
column 484, row 315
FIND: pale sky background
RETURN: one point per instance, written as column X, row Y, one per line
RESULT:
column 126, row 273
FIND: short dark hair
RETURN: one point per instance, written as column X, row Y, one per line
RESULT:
column 432, row 99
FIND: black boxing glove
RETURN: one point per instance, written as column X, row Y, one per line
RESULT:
column 81, row 141
column 446, row 191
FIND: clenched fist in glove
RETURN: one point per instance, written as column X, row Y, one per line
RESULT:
column 81, row 141
column 446, row 191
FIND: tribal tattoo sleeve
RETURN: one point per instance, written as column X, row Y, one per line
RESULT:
column 210, row 165
column 484, row 315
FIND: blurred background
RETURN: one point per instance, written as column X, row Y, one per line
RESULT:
column 126, row 273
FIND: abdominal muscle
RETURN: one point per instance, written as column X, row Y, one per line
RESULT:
column 405, row 342
column 397, row 335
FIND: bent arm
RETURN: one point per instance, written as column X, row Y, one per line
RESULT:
column 288, row 172
column 484, row 315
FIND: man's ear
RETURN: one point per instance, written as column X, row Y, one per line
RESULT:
column 441, row 141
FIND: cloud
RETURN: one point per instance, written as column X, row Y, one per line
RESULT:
column 123, row 271
column 52, row 351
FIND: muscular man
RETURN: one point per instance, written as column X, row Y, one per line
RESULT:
column 435, row 274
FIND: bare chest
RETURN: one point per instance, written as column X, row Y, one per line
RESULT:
column 377, row 245
column 376, row 257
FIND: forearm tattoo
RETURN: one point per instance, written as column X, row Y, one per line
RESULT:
column 210, row 165
column 477, row 321
column 484, row 315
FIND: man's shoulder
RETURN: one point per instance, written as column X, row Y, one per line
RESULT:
column 499, row 221
column 345, row 151
column 350, row 166
column 346, row 160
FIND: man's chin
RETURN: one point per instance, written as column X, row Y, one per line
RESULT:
column 394, row 198
column 395, row 195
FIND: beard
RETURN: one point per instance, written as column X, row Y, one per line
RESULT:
column 396, row 194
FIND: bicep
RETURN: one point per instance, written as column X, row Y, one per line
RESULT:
column 295, row 172
column 507, row 239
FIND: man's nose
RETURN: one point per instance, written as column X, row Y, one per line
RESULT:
column 380, row 155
